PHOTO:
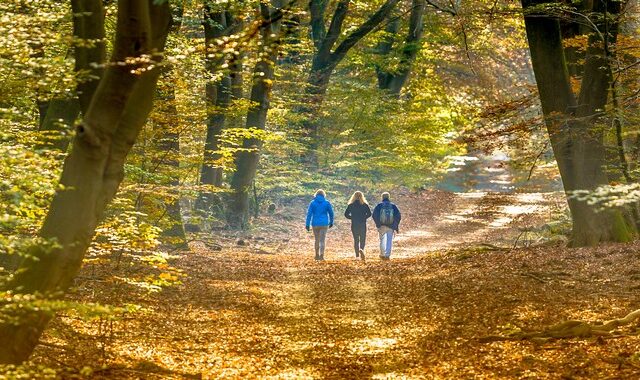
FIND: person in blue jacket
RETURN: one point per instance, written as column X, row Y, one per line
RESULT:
column 387, row 218
column 320, row 217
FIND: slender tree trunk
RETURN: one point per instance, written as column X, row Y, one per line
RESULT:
column 88, row 26
column 247, row 160
column 218, row 98
column 60, row 116
column 169, row 144
column 384, row 48
column 92, row 172
column 89, row 55
column 291, row 31
column 577, row 143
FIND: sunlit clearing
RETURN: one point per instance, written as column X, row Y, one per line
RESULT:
column 372, row 345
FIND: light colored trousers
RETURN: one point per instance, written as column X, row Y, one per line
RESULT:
column 320, row 235
column 386, row 240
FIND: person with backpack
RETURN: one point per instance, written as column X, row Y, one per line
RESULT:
column 387, row 218
column 358, row 211
column 320, row 218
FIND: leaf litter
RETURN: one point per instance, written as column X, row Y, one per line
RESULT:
column 265, row 309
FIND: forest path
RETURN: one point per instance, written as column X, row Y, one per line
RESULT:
column 436, row 221
column 265, row 309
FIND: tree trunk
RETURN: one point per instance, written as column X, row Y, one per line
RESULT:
column 88, row 25
column 89, row 55
column 169, row 144
column 395, row 81
column 577, row 142
column 326, row 59
column 247, row 160
column 218, row 98
column 293, row 40
column 61, row 114
column 384, row 48
column 92, row 171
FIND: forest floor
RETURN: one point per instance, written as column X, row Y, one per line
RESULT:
column 259, row 306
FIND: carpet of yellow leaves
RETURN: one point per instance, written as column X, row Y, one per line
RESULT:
column 266, row 310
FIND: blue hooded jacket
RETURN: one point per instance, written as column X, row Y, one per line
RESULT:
column 320, row 212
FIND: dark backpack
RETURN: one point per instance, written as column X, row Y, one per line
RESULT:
column 386, row 214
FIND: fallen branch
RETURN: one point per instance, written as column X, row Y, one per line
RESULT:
column 568, row 329
column 531, row 275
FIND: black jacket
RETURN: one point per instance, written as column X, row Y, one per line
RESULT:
column 358, row 213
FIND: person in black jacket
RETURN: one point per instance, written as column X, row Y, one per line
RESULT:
column 358, row 211
column 387, row 217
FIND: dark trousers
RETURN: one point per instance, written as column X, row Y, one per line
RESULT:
column 359, row 232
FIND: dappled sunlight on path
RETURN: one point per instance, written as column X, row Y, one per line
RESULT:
column 241, row 315
column 478, row 218
column 436, row 221
column 244, row 313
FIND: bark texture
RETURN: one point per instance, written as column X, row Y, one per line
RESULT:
column 394, row 81
column 92, row 171
column 329, row 53
column 577, row 142
column 247, row 160
column 218, row 96
column 90, row 56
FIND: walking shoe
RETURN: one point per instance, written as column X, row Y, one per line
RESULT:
column 362, row 254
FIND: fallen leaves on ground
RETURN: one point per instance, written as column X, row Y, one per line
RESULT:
column 240, row 314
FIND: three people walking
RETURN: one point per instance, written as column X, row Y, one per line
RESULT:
column 320, row 218
column 386, row 216
column 358, row 211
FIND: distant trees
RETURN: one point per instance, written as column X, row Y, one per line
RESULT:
column 329, row 51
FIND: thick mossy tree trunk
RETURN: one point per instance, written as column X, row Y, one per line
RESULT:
column 89, row 55
column 328, row 54
column 394, row 81
column 92, row 172
column 218, row 97
column 571, row 120
column 246, row 161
